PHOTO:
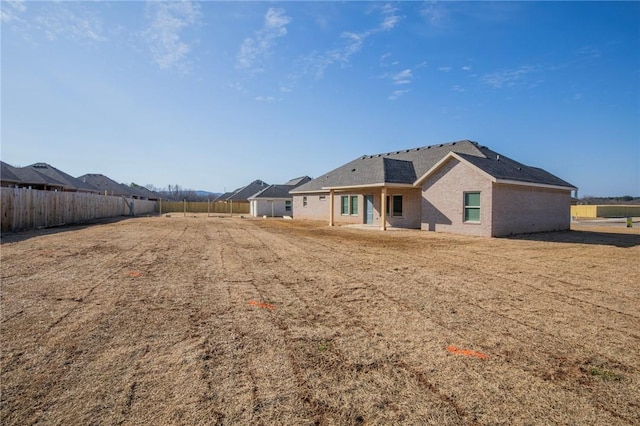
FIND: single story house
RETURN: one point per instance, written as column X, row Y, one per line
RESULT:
column 459, row 187
column 41, row 176
column 106, row 185
column 241, row 195
column 275, row 200
column 71, row 184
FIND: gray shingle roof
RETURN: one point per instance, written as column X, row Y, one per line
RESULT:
column 504, row 168
column 7, row 173
column 69, row 181
column 406, row 166
column 105, row 184
column 243, row 194
column 141, row 191
column 398, row 171
column 274, row 191
column 298, row 181
column 28, row 176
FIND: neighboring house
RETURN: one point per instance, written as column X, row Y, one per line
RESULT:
column 275, row 200
column 460, row 187
column 143, row 193
column 29, row 177
column 70, row 183
column 8, row 176
column 106, row 185
column 243, row 194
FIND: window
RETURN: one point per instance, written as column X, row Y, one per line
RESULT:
column 397, row 205
column 472, row 207
column 344, row 205
column 304, row 201
column 322, row 197
column 349, row 205
column 394, row 204
column 287, row 205
column 354, row 205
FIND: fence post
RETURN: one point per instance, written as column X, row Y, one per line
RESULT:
column 184, row 203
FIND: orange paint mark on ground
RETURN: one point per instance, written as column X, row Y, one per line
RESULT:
column 261, row 304
column 465, row 352
column 134, row 274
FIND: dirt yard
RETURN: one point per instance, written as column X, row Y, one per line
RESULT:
column 197, row 320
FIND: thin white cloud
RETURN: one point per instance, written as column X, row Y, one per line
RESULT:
column 268, row 99
column 403, row 77
column 466, row 68
column 57, row 20
column 444, row 69
column 396, row 94
column 434, row 12
column 457, row 88
column 11, row 9
column 254, row 49
column 508, row 78
column 318, row 63
column 163, row 35
column 61, row 21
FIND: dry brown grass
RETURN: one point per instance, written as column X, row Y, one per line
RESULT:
column 149, row 321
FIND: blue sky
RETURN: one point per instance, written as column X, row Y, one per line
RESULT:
column 213, row 95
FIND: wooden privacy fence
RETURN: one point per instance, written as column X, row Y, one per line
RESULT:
column 605, row 211
column 237, row 207
column 24, row 208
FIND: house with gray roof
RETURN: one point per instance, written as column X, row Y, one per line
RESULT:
column 275, row 200
column 69, row 182
column 242, row 194
column 30, row 177
column 459, row 187
column 8, row 176
column 106, row 185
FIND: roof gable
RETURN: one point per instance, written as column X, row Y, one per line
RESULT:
column 398, row 167
column 68, row 180
column 501, row 169
column 243, row 194
column 30, row 176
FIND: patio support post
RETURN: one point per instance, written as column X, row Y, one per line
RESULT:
column 331, row 194
column 383, row 209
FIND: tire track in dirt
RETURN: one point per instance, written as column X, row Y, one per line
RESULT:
column 461, row 273
column 550, row 353
column 242, row 347
column 268, row 241
column 106, row 271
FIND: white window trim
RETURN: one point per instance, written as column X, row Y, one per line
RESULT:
column 465, row 207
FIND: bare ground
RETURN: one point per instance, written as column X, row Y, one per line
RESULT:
column 196, row 320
